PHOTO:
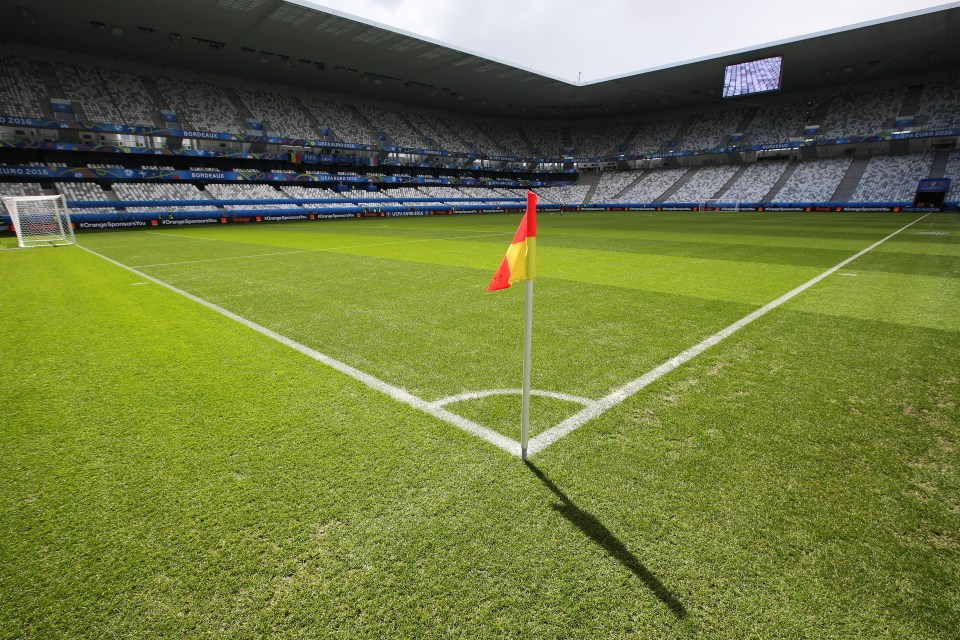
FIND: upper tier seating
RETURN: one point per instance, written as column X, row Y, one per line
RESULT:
column 130, row 97
column 863, row 113
column 814, row 181
column 892, row 178
column 599, row 140
column 21, row 91
column 507, row 138
column 204, row 105
column 778, row 123
column 280, row 114
column 83, row 85
column 654, row 133
column 341, row 119
column 119, row 97
column 711, row 130
column 940, row 105
column 399, row 131
column 438, row 134
column 547, row 140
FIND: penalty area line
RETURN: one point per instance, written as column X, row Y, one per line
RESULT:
column 398, row 394
column 598, row 408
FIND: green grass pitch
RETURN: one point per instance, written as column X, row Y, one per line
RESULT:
column 168, row 472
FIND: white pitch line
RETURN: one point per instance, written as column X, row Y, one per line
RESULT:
column 398, row 394
column 287, row 253
column 551, row 435
column 476, row 395
column 537, row 444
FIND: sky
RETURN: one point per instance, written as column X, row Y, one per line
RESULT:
column 589, row 40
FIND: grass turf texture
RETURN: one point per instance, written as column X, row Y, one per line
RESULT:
column 168, row 472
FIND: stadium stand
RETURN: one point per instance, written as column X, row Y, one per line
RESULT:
column 892, row 178
column 298, row 192
column 612, row 183
column 703, row 184
column 20, row 189
column 568, row 195
column 952, row 171
column 508, row 139
column 940, row 105
column 653, row 134
column 652, row 185
column 778, row 123
column 594, row 140
column 710, row 130
column 112, row 96
column 204, row 105
column 756, row 181
column 483, row 193
column 476, row 139
column 547, row 140
column 21, row 91
column 397, row 129
column 814, row 181
column 280, row 114
column 131, row 97
column 862, row 113
column 161, row 191
column 85, row 192
column 83, row 86
column 247, row 192
column 438, row 134
column 343, row 121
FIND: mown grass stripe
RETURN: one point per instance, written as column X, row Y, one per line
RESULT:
column 398, row 394
column 545, row 439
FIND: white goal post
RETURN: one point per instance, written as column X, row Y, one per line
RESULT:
column 40, row 221
column 714, row 203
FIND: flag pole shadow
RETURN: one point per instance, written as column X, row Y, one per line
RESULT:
column 604, row 538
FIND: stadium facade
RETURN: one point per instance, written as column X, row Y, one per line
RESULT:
column 230, row 110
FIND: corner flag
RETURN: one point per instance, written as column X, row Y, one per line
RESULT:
column 520, row 264
column 520, row 261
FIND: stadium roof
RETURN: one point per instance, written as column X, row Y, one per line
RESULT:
column 288, row 43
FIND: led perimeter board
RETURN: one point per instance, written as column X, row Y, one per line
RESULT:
column 756, row 76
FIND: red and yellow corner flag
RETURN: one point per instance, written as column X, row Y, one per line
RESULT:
column 520, row 261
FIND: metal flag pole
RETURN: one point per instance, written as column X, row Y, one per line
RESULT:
column 527, row 342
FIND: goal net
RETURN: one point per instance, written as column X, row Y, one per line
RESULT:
column 716, row 204
column 40, row 220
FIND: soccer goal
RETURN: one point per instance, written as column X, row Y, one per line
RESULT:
column 40, row 221
column 720, row 205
